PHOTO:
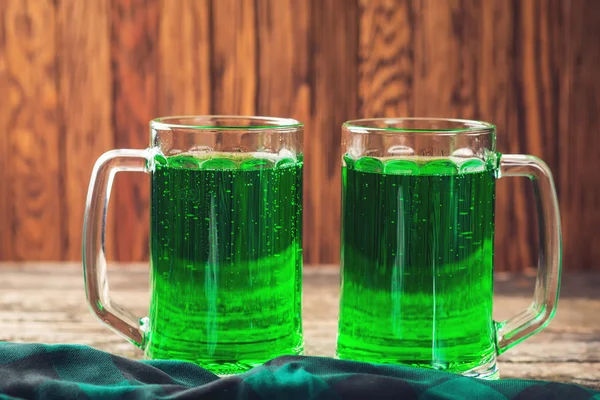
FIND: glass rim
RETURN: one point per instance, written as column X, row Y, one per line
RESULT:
column 469, row 127
column 264, row 123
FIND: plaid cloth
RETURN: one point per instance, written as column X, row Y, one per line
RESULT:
column 69, row 371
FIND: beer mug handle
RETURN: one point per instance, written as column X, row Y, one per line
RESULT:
column 545, row 298
column 94, row 228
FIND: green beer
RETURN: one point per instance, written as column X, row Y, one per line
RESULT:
column 417, row 262
column 226, row 255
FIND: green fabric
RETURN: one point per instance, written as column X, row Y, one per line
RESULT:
column 33, row 371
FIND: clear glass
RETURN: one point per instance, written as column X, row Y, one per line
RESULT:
column 417, row 247
column 225, row 241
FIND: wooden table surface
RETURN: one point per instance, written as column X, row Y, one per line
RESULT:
column 45, row 302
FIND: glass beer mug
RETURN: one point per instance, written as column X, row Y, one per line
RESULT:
column 418, row 245
column 225, row 241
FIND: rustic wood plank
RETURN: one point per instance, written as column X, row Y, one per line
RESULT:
column 493, row 60
column 386, row 58
column 30, row 122
column 533, row 123
column 566, row 351
column 234, row 57
column 528, row 66
column 444, row 59
column 5, row 118
column 284, row 59
column 513, row 247
column 185, row 59
column 580, row 193
column 134, row 59
column 584, row 374
column 334, row 26
column 85, row 85
column 446, row 76
column 481, row 69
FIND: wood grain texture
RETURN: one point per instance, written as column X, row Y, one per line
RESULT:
column 493, row 60
column 461, row 75
column 334, row 47
column 30, row 123
column 533, row 121
column 184, row 82
column 514, row 227
column 5, row 84
column 78, row 78
column 386, row 58
column 134, row 60
column 446, row 69
column 568, row 350
column 579, row 145
column 284, row 74
column 284, row 59
column 234, row 57
column 84, row 85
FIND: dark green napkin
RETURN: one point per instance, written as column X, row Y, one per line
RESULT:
column 70, row 371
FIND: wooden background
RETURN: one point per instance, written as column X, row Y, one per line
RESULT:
column 79, row 77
